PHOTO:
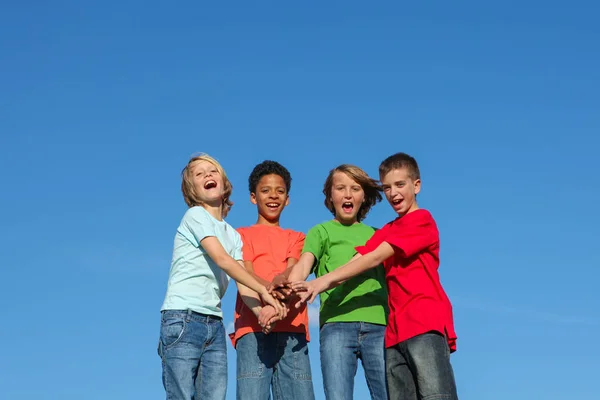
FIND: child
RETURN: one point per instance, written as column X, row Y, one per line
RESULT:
column 353, row 315
column 420, row 333
column 278, row 361
column 192, row 336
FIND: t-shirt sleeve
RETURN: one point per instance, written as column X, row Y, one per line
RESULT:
column 247, row 251
column 296, row 243
column 374, row 242
column 314, row 243
column 238, row 247
column 197, row 226
column 412, row 236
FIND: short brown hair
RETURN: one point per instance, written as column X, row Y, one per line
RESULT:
column 189, row 191
column 370, row 187
column 399, row 161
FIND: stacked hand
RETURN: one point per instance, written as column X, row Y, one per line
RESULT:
column 280, row 288
column 308, row 291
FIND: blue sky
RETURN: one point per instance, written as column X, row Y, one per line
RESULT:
column 102, row 103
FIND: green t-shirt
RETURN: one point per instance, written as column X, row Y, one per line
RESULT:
column 360, row 299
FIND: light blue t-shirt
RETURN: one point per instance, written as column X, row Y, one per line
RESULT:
column 195, row 281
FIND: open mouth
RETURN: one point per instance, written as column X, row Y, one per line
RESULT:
column 347, row 207
column 397, row 202
column 210, row 184
column 272, row 206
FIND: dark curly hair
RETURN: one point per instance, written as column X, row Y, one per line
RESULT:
column 269, row 167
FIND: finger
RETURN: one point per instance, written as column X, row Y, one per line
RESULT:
column 278, row 295
column 302, row 299
column 299, row 285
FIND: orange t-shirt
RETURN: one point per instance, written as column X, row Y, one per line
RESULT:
column 268, row 248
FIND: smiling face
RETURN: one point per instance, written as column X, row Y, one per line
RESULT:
column 270, row 197
column 347, row 196
column 401, row 190
column 208, row 182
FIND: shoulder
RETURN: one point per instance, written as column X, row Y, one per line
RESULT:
column 292, row 233
column 367, row 228
column 418, row 217
column 196, row 215
column 318, row 228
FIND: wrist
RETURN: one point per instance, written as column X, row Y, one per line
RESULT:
column 256, row 310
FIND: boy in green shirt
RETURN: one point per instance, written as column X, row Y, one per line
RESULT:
column 352, row 315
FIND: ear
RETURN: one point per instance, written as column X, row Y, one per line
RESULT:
column 287, row 200
column 417, row 184
column 253, row 198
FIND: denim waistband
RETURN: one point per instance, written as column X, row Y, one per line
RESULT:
column 190, row 314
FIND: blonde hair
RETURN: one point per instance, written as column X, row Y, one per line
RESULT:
column 370, row 187
column 189, row 191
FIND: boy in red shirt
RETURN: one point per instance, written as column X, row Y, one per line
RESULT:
column 271, row 356
column 420, row 333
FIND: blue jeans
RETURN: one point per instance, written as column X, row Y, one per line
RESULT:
column 342, row 345
column 419, row 369
column 277, row 361
column 194, row 355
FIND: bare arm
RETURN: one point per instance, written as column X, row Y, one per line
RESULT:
column 249, row 296
column 301, row 270
column 356, row 266
column 217, row 253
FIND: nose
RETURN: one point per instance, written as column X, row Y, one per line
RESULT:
column 347, row 194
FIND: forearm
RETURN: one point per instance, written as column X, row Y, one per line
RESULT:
column 300, row 270
column 354, row 267
column 239, row 274
column 250, row 298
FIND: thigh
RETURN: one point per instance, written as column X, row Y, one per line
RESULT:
column 372, row 351
column 400, row 380
column 212, row 377
column 339, row 358
column 292, row 378
column 429, row 358
column 180, row 347
column 253, row 366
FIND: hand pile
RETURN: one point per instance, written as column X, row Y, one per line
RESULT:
column 287, row 293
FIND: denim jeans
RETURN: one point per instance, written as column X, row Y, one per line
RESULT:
column 419, row 369
column 342, row 345
column 278, row 362
column 194, row 355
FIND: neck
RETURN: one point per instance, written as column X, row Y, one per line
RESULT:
column 412, row 208
column 346, row 223
column 263, row 221
column 215, row 211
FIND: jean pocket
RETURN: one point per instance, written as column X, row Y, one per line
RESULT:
column 171, row 331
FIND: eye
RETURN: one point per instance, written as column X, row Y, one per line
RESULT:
column 356, row 188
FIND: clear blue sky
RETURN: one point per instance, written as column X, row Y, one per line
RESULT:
column 102, row 103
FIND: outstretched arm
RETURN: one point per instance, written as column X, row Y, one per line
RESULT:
column 358, row 265
column 217, row 253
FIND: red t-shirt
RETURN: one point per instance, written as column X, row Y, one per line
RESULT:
column 268, row 248
column 417, row 301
